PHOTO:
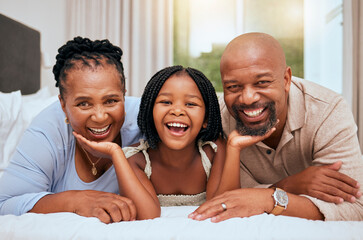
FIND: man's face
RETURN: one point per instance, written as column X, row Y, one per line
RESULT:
column 255, row 90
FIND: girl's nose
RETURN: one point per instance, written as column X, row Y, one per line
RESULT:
column 177, row 110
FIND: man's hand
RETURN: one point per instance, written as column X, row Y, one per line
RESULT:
column 242, row 202
column 324, row 183
column 239, row 142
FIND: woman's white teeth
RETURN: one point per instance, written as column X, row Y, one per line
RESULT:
column 181, row 125
column 254, row 113
column 99, row 130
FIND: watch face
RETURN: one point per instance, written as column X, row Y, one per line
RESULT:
column 281, row 197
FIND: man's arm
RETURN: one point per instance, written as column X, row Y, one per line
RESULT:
column 323, row 182
column 335, row 141
column 248, row 202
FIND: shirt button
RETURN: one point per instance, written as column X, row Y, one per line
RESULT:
column 268, row 151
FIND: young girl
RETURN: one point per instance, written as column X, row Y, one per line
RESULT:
column 182, row 161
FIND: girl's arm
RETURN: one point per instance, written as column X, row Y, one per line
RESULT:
column 229, row 178
column 142, row 193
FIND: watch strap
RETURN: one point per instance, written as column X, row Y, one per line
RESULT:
column 277, row 210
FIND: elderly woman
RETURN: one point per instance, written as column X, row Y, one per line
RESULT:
column 50, row 171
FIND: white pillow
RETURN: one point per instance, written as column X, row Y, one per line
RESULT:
column 11, row 124
column 16, row 113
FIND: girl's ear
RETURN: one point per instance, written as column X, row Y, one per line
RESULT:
column 205, row 124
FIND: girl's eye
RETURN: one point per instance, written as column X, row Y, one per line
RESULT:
column 190, row 104
column 165, row 102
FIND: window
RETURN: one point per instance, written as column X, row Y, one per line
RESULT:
column 309, row 31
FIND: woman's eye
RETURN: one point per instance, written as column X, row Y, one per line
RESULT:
column 83, row 104
column 111, row 101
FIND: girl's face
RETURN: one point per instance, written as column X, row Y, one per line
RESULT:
column 179, row 112
column 94, row 102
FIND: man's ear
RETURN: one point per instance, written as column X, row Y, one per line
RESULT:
column 287, row 79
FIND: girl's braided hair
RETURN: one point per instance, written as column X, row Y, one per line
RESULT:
column 88, row 53
column 145, row 118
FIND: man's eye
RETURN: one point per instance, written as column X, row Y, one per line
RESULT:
column 263, row 83
column 233, row 88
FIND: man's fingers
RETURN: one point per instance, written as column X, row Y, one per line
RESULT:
column 207, row 211
column 326, row 197
column 229, row 213
column 342, row 185
column 335, row 166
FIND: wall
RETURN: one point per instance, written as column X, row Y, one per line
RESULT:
column 49, row 18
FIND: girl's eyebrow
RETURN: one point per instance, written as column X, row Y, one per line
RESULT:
column 193, row 96
column 188, row 95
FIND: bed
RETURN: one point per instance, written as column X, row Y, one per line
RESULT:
column 21, row 98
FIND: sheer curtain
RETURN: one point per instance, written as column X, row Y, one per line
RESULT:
column 353, row 60
column 142, row 28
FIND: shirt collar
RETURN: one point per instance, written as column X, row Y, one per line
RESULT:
column 296, row 113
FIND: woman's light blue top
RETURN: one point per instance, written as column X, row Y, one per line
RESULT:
column 44, row 160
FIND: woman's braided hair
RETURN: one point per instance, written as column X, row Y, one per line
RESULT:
column 89, row 53
column 145, row 118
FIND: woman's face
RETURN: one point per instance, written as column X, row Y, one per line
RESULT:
column 94, row 102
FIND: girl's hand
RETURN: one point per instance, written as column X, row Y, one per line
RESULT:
column 238, row 142
column 98, row 149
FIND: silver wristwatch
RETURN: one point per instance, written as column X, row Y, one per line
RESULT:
column 281, row 200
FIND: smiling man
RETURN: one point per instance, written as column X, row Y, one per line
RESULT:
column 311, row 166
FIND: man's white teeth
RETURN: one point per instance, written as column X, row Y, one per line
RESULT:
column 180, row 125
column 254, row 113
column 99, row 130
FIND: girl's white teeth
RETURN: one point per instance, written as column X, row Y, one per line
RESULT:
column 99, row 130
column 254, row 113
column 177, row 125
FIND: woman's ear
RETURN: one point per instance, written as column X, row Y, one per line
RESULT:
column 205, row 124
column 63, row 104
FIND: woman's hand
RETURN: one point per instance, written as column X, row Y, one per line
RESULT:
column 107, row 207
column 99, row 149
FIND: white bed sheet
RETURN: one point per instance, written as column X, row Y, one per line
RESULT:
column 174, row 224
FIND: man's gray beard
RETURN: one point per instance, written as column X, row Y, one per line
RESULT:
column 247, row 131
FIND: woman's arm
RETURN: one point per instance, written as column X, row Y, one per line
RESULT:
column 141, row 192
column 108, row 207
